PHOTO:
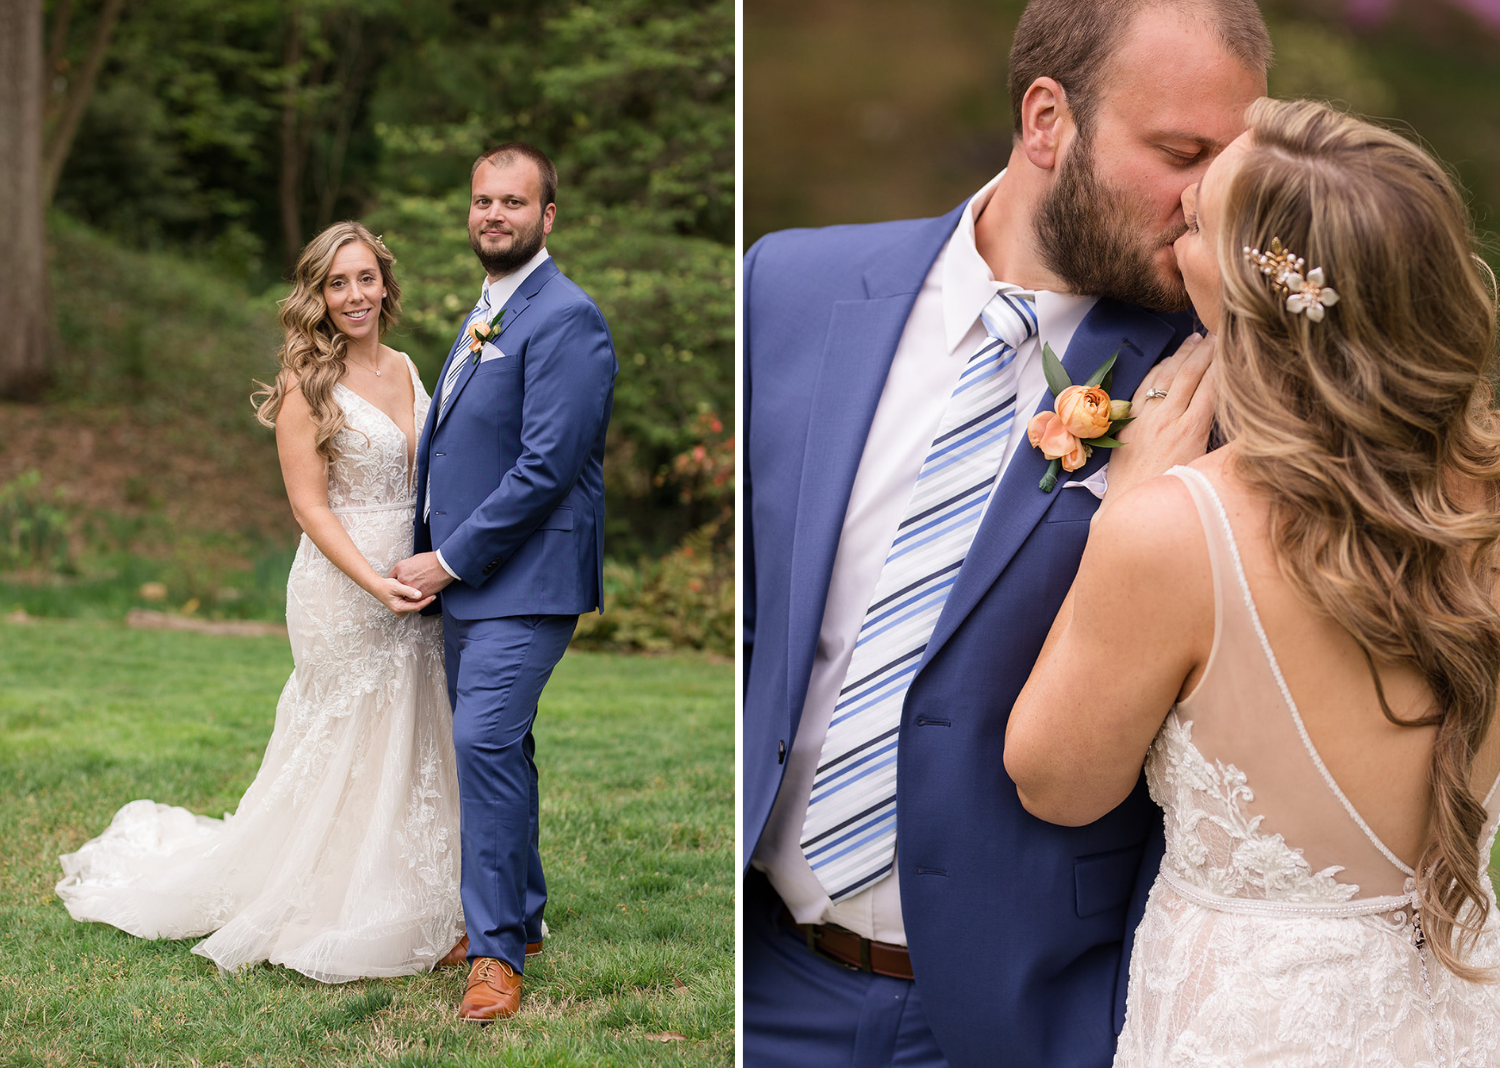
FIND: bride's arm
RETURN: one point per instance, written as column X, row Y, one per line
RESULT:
column 305, row 472
column 1137, row 623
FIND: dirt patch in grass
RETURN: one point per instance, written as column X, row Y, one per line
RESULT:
column 186, row 470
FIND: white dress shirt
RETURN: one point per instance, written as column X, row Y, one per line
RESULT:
column 941, row 333
column 500, row 290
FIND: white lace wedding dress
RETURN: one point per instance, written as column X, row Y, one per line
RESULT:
column 342, row 859
column 1281, row 930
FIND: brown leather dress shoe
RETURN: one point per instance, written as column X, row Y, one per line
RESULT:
column 493, row 993
column 459, row 954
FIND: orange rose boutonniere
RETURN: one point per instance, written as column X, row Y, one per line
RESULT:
column 483, row 331
column 1083, row 418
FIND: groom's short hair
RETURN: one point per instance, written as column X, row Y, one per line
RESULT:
column 507, row 153
column 1072, row 41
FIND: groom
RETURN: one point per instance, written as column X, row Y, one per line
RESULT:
column 510, row 527
column 901, row 906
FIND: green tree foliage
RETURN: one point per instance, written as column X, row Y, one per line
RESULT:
column 376, row 109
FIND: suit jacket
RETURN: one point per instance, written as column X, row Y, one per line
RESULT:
column 1018, row 930
column 516, row 459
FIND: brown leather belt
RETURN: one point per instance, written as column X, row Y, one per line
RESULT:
column 849, row 949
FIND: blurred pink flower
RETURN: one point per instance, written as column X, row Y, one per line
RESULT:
column 1374, row 12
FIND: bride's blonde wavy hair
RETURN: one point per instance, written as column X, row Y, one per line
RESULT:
column 312, row 352
column 1362, row 428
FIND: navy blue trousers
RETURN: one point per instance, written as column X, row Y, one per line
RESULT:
column 496, row 671
column 802, row 1010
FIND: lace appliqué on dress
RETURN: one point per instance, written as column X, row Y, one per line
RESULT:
column 1212, row 841
column 1301, row 990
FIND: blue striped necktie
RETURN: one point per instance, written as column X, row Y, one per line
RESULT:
column 849, row 833
column 481, row 311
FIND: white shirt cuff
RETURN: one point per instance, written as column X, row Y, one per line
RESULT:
column 439, row 554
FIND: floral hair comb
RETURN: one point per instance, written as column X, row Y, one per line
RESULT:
column 1284, row 268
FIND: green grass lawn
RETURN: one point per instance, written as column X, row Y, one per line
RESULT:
column 636, row 757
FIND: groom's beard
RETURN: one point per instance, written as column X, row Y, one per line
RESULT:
column 524, row 244
column 1089, row 236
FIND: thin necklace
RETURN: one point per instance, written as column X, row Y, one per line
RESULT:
column 356, row 363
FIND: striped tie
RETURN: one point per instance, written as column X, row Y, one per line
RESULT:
column 481, row 311
column 849, row 833
column 461, row 353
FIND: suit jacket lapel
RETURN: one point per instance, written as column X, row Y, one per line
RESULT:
column 857, row 353
column 519, row 301
column 1019, row 503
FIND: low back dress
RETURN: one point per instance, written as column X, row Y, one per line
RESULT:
column 1281, row 930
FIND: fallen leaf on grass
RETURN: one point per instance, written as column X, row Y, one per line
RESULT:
column 678, row 983
column 666, row 1036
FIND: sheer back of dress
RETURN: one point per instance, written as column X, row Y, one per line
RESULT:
column 1252, row 812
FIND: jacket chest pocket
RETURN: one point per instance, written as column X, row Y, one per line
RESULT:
column 500, row 367
column 1074, row 504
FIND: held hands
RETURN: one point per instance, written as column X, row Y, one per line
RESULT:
column 399, row 597
column 1171, row 429
column 424, row 572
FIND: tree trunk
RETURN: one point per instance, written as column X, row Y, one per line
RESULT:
column 24, row 325
column 350, row 78
column 80, row 90
column 292, row 151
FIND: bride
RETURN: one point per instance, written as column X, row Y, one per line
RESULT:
column 1298, row 634
column 342, row 859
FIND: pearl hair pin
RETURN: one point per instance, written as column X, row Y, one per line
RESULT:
column 1306, row 293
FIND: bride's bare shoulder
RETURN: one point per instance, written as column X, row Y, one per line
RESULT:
column 1149, row 548
column 1154, row 514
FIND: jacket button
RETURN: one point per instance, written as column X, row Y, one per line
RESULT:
column 780, row 751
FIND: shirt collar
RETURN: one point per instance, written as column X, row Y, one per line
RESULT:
column 502, row 289
column 968, row 284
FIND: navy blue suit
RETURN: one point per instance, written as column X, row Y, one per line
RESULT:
column 1018, row 930
column 515, row 462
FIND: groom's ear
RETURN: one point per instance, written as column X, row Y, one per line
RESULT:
column 548, row 214
column 1047, row 124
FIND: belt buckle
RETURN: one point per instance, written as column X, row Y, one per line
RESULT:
column 812, row 933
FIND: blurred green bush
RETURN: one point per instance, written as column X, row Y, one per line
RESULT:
column 33, row 527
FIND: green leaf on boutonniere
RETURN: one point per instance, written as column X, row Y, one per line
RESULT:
column 1098, row 377
column 1057, row 378
column 1103, row 443
column 1120, row 424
